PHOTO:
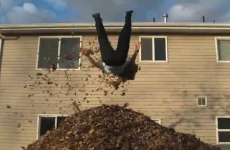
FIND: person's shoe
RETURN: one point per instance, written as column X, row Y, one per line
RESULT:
column 129, row 14
column 96, row 15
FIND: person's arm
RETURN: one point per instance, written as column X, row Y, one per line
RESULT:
column 92, row 61
column 133, row 58
column 87, row 55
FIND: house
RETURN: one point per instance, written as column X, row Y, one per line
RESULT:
column 182, row 84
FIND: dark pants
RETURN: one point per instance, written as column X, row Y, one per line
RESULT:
column 110, row 56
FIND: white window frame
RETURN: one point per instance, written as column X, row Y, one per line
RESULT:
column 47, row 115
column 59, row 45
column 217, row 130
column 155, row 119
column 206, row 101
column 153, row 49
column 216, row 45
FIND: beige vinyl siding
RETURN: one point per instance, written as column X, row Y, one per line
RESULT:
column 165, row 90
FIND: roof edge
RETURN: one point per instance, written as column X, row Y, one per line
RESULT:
column 116, row 24
column 138, row 27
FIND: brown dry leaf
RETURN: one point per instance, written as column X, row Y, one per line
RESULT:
column 123, row 93
column 8, row 106
column 126, row 105
column 23, row 148
column 76, row 106
column 139, row 68
column 19, row 125
column 105, row 93
column 91, row 131
column 30, row 77
column 49, row 82
column 30, row 95
column 39, row 74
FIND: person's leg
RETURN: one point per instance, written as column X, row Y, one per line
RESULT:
column 107, row 52
column 124, row 39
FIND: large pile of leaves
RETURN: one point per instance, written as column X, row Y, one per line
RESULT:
column 115, row 128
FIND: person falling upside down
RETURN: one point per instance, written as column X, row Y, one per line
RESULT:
column 113, row 61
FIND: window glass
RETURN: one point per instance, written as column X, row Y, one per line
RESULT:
column 69, row 47
column 223, row 50
column 48, row 52
column 160, row 49
column 146, row 49
column 46, row 124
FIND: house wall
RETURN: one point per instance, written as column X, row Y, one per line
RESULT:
column 165, row 90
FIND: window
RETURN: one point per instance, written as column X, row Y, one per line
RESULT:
column 223, row 130
column 49, row 122
column 153, row 49
column 223, row 49
column 202, row 101
column 53, row 50
column 156, row 120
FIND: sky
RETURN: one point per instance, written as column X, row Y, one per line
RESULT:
column 69, row 11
